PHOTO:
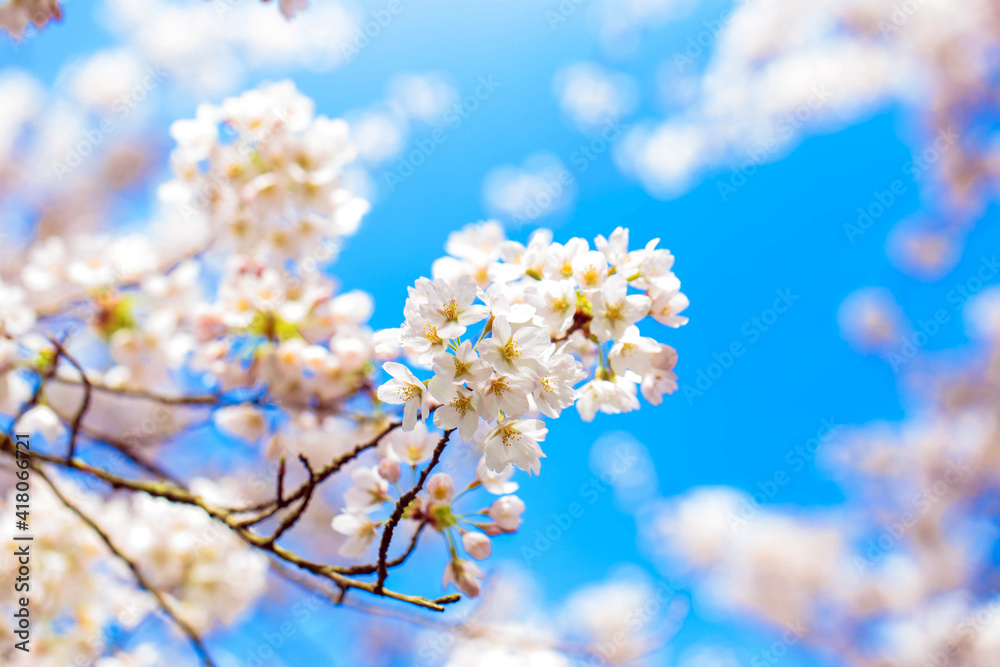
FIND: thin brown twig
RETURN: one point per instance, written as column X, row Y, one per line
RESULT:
column 138, row 461
column 142, row 394
column 281, row 480
column 396, row 562
column 191, row 633
column 84, row 406
column 401, row 505
column 292, row 517
column 321, row 475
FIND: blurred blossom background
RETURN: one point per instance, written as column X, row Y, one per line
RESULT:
column 824, row 486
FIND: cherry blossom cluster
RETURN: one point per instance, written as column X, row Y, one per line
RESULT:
column 549, row 316
column 311, row 343
column 266, row 175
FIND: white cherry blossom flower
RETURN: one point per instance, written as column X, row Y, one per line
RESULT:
column 412, row 447
column 16, row 317
column 632, row 352
column 505, row 392
column 243, row 421
column 460, row 408
column 441, row 487
column 43, row 421
column 498, row 298
column 497, row 483
column 590, row 269
column 555, row 305
column 608, row 396
column 556, row 390
column 387, row 343
column 515, row 441
column 615, row 309
column 473, row 249
column 406, row 389
column 369, row 490
column 464, row 365
column 519, row 260
column 359, row 530
column 517, row 353
column 614, row 248
column 668, row 302
column 649, row 266
column 660, row 379
column 450, row 308
column 388, row 469
column 559, row 260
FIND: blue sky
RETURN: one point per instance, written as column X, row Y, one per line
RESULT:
column 781, row 233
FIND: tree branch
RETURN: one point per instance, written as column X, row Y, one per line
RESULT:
column 401, row 505
column 78, row 418
column 175, row 494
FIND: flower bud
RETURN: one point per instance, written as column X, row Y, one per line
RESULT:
column 464, row 575
column 476, row 545
column 506, row 512
column 388, row 469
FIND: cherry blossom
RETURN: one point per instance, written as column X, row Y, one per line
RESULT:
column 515, row 441
column 358, row 528
column 404, row 388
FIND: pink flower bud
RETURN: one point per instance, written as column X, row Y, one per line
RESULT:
column 465, row 576
column 388, row 469
column 506, row 512
column 476, row 545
